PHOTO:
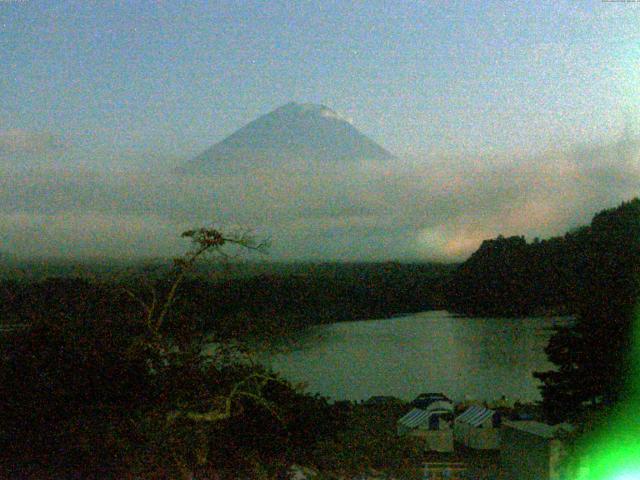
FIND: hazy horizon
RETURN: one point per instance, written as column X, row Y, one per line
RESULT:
column 506, row 119
column 439, row 211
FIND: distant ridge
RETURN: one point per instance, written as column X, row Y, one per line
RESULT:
column 294, row 134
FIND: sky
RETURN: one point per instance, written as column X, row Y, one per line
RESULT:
column 507, row 116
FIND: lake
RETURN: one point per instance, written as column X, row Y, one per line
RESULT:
column 465, row 358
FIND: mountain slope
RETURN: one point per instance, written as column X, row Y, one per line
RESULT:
column 294, row 133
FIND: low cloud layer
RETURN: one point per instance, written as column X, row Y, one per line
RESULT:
column 430, row 209
column 16, row 142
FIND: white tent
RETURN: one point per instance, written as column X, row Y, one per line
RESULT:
column 430, row 426
column 412, row 420
column 478, row 427
column 477, row 416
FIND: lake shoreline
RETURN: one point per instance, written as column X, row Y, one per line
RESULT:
column 467, row 358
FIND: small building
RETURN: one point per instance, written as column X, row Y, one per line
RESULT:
column 531, row 450
column 478, row 428
column 433, row 426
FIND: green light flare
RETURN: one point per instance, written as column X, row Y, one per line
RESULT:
column 613, row 453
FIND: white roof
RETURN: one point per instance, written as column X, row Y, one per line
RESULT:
column 415, row 417
column 475, row 415
column 538, row 429
column 440, row 406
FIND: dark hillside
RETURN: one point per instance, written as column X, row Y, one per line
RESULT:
column 510, row 277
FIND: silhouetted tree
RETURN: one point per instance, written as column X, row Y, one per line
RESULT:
column 593, row 355
column 104, row 382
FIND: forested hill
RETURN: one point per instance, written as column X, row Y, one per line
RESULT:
column 511, row 277
column 259, row 299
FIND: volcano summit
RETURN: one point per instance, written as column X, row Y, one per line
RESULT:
column 292, row 135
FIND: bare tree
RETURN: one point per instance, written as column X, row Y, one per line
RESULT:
column 159, row 348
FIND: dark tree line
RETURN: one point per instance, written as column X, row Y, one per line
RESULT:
column 592, row 273
column 594, row 355
column 235, row 307
column 103, row 383
column 507, row 276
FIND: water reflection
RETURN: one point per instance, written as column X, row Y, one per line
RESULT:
column 481, row 358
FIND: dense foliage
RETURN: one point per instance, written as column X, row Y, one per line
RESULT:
column 593, row 356
column 97, row 386
column 260, row 305
column 109, row 377
column 510, row 277
column 592, row 273
column 367, row 443
column 78, row 399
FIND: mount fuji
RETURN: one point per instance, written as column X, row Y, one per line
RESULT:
column 292, row 135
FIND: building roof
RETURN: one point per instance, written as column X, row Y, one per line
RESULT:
column 425, row 399
column 440, row 406
column 475, row 415
column 417, row 417
column 414, row 418
column 538, row 429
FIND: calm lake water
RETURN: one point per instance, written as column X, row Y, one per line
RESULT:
column 479, row 358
